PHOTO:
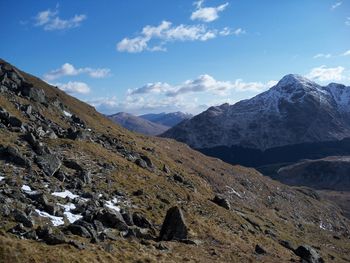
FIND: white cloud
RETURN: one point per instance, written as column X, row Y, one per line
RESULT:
column 346, row 53
column 347, row 21
column 68, row 69
column 49, row 20
column 321, row 55
column 207, row 14
column 323, row 73
column 165, row 32
column 336, row 5
column 203, row 83
column 74, row 87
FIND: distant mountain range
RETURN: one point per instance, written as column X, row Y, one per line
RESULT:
column 149, row 124
column 292, row 120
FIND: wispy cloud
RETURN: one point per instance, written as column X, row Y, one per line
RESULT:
column 203, row 83
column 347, row 21
column 68, row 69
column 165, row 32
column 321, row 55
column 50, row 21
column 74, row 87
column 324, row 73
column 207, row 14
column 346, row 53
column 336, row 5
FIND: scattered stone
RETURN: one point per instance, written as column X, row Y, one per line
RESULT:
column 178, row 178
column 16, row 157
column 260, row 250
column 220, row 201
column 308, row 254
column 166, row 169
column 174, row 226
column 49, row 163
column 51, row 236
column 140, row 221
column 112, row 218
column 78, row 230
column 15, row 122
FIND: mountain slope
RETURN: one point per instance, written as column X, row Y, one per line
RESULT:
column 296, row 111
column 137, row 124
column 120, row 185
column 168, row 119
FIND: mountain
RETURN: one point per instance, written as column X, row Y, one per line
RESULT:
column 167, row 119
column 76, row 187
column 137, row 124
column 281, row 122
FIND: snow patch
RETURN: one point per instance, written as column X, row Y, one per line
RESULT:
column 55, row 220
column 112, row 204
column 64, row 194
column 70, row 216
column 68, row 114
column 1, row 178
column 26, row 188
column 233, row 191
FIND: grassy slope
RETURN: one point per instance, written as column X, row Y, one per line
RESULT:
column 226, row 236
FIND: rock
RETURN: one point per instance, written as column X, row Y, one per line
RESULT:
column 51, row 236
column 220, row 201
column 111, row 218
column 128, row 219
column 76, row 244
column 141, row 163
column 174, row 226
column 308, row 254
column 79, row 230
column 259, row 250
column 77, row 120
column 16, row 157
column 178, row 178
column 147, row 160
column 49, row 163
column 140, row 221
column 21, row 217
column 15, row 122
column 35, row 94
column 166, row 169
column 287, row 244
column 141, row 233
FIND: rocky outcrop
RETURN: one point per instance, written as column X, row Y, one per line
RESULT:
column 174, row 226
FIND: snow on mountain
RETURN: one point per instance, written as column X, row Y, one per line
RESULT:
column 294, row 111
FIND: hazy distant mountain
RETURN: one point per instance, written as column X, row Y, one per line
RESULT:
column 137, row 124
column 167, row 119
column 294, row 112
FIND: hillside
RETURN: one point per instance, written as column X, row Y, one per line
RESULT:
column 75, row 187
column 168, row 119
column 137, row 124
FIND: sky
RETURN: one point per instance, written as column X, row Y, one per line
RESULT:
column 150, row 56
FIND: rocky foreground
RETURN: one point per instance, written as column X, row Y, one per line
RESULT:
column 75, row 187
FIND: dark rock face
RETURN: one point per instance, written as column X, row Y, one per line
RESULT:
column 308, row 254
column 259, row 250
column 220, row 201
column 49, row 163
column 51, row 236
column 113, row 219
column 13, row 155
column 174, row 226
column 33, row 93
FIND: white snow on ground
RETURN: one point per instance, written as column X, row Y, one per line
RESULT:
column 26, row 188
column 1, row 178
column 56, row 220
column 323, row 226
column 233, row 191
column 112, row 204
column 70, row 216
column 68, row 114
column 64, row 194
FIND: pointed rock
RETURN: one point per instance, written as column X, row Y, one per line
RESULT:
column 174, row 226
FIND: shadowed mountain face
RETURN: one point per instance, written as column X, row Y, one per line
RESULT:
column 167, row 119
column 137, row 124
column 293, row 113
column 278, row 117
column 78, row 187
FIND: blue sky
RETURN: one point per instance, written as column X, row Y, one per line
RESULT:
column 144, row 56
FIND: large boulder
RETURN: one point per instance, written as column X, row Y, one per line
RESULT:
column 49, row 163
column 35, row 94
column 13, row 155
column 220, row 201
column 112, row 218
column 174, row 226
column 308, row 254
